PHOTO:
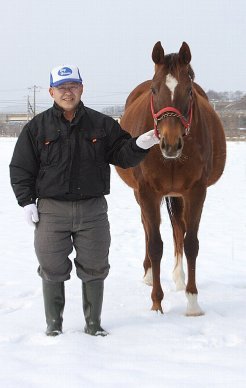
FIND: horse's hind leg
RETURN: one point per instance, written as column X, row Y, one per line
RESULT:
column 193, row 210
column 150, row 209
column 178, row 273
column 175, row 208
column 148, row 274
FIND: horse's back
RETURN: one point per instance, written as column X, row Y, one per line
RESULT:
column 135, row 120
column 216, row 136
column 137, row 92
column 200, row 90
column 219, row 151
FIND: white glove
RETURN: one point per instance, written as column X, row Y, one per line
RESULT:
column 147, row 140
column 31, row 214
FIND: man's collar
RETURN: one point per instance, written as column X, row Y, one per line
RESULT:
column 80, row 110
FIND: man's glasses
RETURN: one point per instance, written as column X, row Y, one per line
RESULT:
column 72, row 88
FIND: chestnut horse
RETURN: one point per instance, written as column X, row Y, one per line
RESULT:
column 189, row 158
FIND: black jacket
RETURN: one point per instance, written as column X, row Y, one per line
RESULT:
column 55, row 158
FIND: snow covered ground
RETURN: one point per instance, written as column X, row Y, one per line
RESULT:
column 144, row 349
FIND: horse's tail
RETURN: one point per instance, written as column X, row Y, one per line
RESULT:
column 175, row 211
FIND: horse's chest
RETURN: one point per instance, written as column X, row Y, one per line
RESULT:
column 173, row 176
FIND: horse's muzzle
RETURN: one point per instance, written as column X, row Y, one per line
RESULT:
column 171, row 151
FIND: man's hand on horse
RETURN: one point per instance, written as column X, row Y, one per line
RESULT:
column 147, row 140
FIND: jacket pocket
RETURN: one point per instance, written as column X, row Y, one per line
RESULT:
column 50, row 151
column 97, row 140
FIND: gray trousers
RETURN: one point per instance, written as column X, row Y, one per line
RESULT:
column 66, row 224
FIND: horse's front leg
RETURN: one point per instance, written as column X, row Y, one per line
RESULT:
column 193, row 210
column 150, row 209
column 148, row 276
column 155, row 249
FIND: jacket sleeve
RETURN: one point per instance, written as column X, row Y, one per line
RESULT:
column 122, row 148
column 24, row 168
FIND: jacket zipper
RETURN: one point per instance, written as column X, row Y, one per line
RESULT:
column 68, row 125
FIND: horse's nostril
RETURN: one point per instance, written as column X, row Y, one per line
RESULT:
column 179, row 144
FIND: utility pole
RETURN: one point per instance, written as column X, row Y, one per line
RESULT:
column 34, row 100
column 29, row 108
column 33, row 109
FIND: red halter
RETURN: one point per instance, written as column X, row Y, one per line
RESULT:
column 169, row 111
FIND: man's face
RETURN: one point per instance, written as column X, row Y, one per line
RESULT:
column 67, row 95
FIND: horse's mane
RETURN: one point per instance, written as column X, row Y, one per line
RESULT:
column 172, row 63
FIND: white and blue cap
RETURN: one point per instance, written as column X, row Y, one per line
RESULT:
column 65, row 73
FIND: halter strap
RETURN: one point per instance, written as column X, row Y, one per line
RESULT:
column 170, row 111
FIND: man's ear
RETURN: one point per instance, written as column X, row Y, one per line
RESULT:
column 51, row 91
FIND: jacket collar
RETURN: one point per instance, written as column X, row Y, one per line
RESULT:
column 80, row 111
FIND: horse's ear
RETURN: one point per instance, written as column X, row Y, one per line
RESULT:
column 158, row 54
column 184, row 54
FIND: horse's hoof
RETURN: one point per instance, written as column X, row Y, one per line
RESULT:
column 197, row 313
column 193, row 308
column 157, row 307
column 147, row 282
column 180, row 286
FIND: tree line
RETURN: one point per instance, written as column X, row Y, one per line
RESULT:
column 225, row 96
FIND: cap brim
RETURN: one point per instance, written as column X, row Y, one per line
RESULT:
column 63, row 81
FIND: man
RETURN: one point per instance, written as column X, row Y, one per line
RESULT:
column 60, row 174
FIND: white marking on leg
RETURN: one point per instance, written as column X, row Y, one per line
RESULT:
column 193, row 308
column 148, row 277
column 171, row 83
column 179, row 275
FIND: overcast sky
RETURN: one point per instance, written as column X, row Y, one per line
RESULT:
column 111, row 41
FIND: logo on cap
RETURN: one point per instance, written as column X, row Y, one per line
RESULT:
column 65, row 71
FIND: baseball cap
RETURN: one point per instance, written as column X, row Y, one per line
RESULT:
column 65, row 73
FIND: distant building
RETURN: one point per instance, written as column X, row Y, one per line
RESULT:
column 233, row 117
column 231, row 113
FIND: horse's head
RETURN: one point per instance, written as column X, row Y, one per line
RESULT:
column 171, row 100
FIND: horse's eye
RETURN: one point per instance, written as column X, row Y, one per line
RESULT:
column 190, row 93
column 153, row 90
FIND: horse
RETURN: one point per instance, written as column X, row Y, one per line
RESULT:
column 189, row 158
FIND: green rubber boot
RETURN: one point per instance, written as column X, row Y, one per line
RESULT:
column 54, row 302
column 92, row 305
